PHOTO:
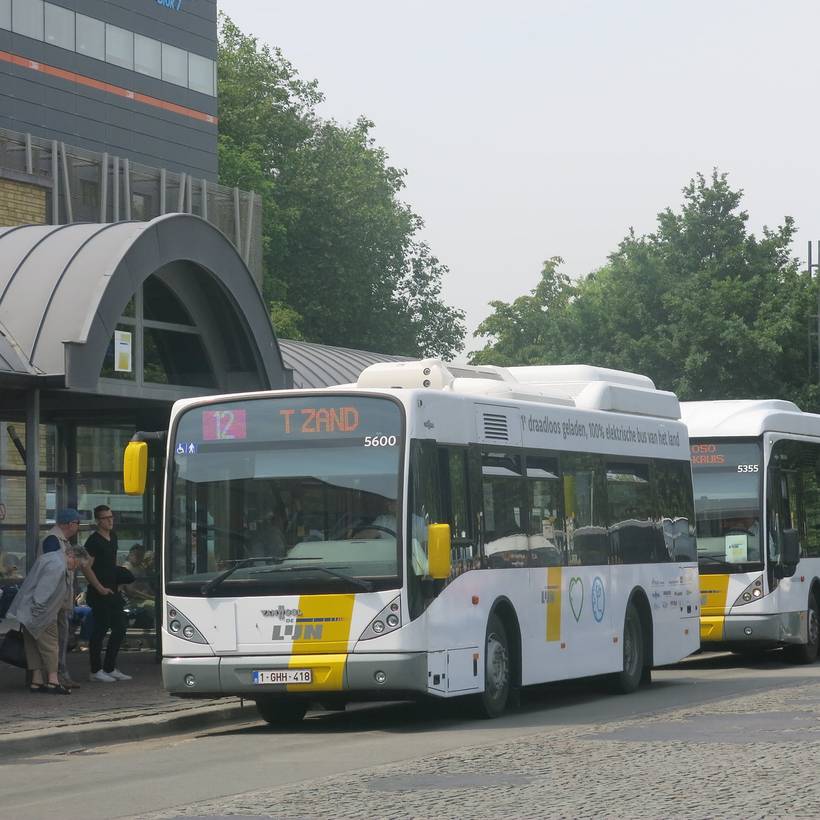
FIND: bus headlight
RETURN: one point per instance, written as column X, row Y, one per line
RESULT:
column 181, row 627
column 752, row 592
column 386, row 621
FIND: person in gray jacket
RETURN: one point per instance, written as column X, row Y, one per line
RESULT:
column 36, row 606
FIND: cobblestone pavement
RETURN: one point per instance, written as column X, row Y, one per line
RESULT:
column 139, row 697
column 747, row 757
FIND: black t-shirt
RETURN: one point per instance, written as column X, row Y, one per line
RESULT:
column 104, row 553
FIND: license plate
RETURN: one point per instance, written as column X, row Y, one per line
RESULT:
column 283, row 676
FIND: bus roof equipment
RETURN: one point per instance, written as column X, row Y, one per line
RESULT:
column 581, row 386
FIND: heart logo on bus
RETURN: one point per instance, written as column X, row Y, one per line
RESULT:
column 576, row 596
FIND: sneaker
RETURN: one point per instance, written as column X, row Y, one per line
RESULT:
column 101, row 677
column 117, row 675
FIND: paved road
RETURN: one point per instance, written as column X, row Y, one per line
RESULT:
column 711, row 737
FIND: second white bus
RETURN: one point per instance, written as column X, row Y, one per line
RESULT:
column 756, row 470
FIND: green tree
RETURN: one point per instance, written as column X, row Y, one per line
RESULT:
column 701, row 305
column 341, row 250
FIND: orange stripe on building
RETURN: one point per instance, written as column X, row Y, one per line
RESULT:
column 119, row 91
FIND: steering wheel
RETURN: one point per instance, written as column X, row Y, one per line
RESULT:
column 367, row 527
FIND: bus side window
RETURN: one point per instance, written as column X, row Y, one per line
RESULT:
column 504, row 506
column 633, row 535
column 675, row 509
column 810, row 475
column 584, row 497
column 546, row 537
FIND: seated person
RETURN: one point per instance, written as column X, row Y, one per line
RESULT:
column 384, row 525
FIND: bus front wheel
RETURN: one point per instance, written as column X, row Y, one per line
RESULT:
column 492, row 702
column 629, row 679
column 280, row 712
column 807, row 652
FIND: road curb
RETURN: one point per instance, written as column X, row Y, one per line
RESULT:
column 65, row 739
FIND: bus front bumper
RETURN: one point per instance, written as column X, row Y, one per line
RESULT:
column 774, row 630
column 354, row 673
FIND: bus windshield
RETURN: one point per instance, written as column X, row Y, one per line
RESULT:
column 289, row 495
column 727, row 483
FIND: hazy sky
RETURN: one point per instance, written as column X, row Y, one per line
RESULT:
column 548, row 128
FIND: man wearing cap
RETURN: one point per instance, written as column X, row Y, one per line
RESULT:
column 104, row 599
column 59, row 539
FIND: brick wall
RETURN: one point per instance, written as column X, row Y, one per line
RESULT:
column 21, row 203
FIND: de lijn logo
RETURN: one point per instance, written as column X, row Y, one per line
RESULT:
column 176, row 5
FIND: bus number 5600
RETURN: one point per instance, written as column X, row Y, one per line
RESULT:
column 380, row 441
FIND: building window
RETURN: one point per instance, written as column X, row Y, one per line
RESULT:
column 200, row 74
column 174, row 65
column 59, row 26
column 5, row 14
column 89, row 193
column 148, row 56
column 119, row 46
column 27, row 18
column 90, row 37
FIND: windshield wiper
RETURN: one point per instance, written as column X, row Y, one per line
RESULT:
column 361, row 583
column 208, row 588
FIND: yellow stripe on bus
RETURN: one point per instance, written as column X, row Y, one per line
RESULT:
column 713, row 605
column 554, row 603
column 325, row 622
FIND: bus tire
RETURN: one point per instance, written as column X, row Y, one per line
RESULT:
column 807, row 652
column 279, row 711
column 634, row 660
column 492, row 702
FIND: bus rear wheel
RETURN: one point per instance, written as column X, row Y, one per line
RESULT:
column 279, row 711
column 629, row 678
column 807, row 652
column 492, row 702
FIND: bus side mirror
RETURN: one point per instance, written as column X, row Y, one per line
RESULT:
column 135, row 467
column 790, row 548
column 438, row 551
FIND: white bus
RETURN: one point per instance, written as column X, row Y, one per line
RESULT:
column 756, row 470
column 432, row 530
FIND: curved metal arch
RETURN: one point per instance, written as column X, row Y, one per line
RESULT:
column 166, row 240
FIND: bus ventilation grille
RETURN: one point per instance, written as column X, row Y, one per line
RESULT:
column 495, row 427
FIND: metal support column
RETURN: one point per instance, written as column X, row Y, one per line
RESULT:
column 32, row 475
column 249, row 229
column 55, row 184
column 115, row 189
column 237, row 221
column 69, row 210
column 126, row 177
column 29, row 161
column 163, row 180
column 104, row 188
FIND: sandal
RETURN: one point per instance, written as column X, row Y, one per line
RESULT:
column 56, row 689
column 36, row 688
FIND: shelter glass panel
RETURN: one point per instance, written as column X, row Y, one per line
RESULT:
column 119, row 358
column 163, row 305
column 173, row 357
column 5, row 14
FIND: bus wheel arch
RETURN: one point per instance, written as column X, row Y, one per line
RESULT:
column 502, row 634
column 502, row 608
column 637, row 628
column 641, row 602
column 808, row 652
